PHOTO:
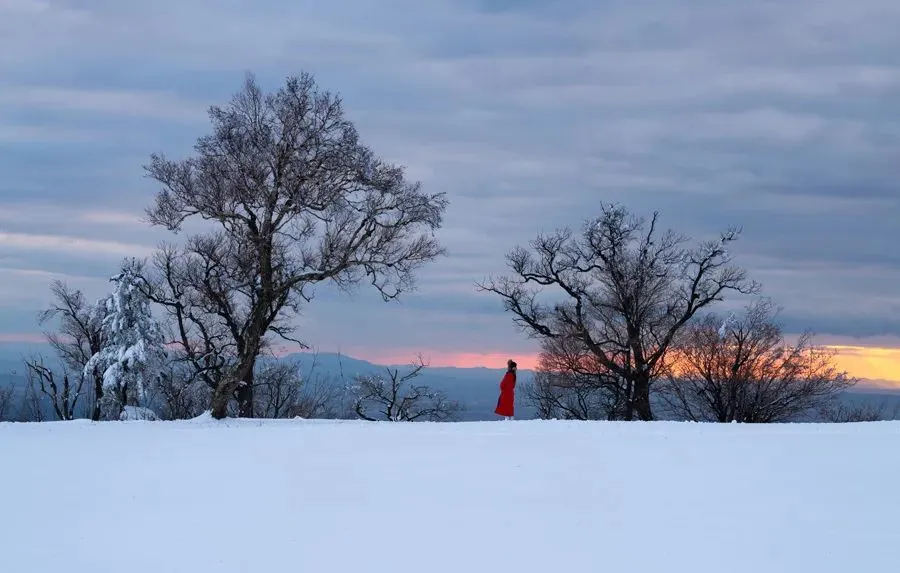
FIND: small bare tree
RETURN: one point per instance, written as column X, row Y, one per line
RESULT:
column 31, row 407
column 178, row 394
column 626, row 290
column 294, row 199
column 61, row 389
column 277, row 392
column 744, row 370
column 7, row 395
column 283, row 391
column 78, row 336
column 391, row 398
column 572, row 384
column 837, row 413
column 320, row 397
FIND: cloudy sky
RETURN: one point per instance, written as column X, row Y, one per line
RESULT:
column 781, row 117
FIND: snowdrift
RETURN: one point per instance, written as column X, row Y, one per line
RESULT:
column 317, row 496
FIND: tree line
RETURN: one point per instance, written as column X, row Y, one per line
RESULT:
column 112, row 360
column 282, row 196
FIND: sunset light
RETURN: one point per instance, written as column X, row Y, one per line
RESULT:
column 868, row 363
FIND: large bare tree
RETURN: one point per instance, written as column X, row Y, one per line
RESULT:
column 627, row 290
column 291, row 198
column 745, row 370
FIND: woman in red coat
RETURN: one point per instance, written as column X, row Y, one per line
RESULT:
column 507, row 400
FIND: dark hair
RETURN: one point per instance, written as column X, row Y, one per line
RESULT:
column 511, row 364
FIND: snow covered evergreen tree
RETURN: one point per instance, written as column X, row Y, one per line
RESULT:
column 134, row 351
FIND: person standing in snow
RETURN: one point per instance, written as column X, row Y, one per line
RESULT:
column 506, row 401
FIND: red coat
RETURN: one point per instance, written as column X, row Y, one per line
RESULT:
column 507, row 400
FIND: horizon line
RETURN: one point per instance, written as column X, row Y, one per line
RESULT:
column 875, row 365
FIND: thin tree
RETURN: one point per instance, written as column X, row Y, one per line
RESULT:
column 7, row 395
column 320, row 397
column 392, row 398
column 745, row 370
column 293, row 199
column 61, row 388
column 77, row 337
column 627, row 290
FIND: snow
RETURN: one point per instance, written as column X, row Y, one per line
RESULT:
column 723, row 330
column 137, row 413
column 134, row 344
column 523, row 496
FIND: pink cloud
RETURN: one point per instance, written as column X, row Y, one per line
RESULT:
column 28, row 337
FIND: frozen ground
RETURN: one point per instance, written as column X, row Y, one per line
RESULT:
column 295, row 496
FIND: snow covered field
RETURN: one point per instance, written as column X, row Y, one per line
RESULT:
column 316, row 496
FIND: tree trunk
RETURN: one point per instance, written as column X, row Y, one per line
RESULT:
column 642, row 398
column 245, row 395
column 628, row 415
column 220, row 399
column 241, row 385
column 98, row 396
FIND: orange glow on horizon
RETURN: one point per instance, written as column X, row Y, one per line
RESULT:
column 874, row 363
column 869, row 363
column 455, row 359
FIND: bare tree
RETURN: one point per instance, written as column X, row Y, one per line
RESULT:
column 178, row 394
column 283, row 391
column 627, row 291
column 31, row 408
column 837, row 413
column 202, row 349
column 390, row 398
column 278, row 386
column 7, row 395
column 78, row 336
column 295, row 199
column 63, row 390
column 572, row 384
column 744, row 370
column 323, row 395
column 320, row 397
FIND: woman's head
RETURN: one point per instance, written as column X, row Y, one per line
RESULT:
column 511, row 364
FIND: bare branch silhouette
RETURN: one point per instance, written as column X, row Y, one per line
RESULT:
column 626, row 291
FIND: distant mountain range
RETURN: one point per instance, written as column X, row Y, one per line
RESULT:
column 475, row 388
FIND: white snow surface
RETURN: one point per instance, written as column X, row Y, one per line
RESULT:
column 137, row 413
column 518, row 496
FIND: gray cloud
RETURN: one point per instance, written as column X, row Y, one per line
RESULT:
column 779, row 117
